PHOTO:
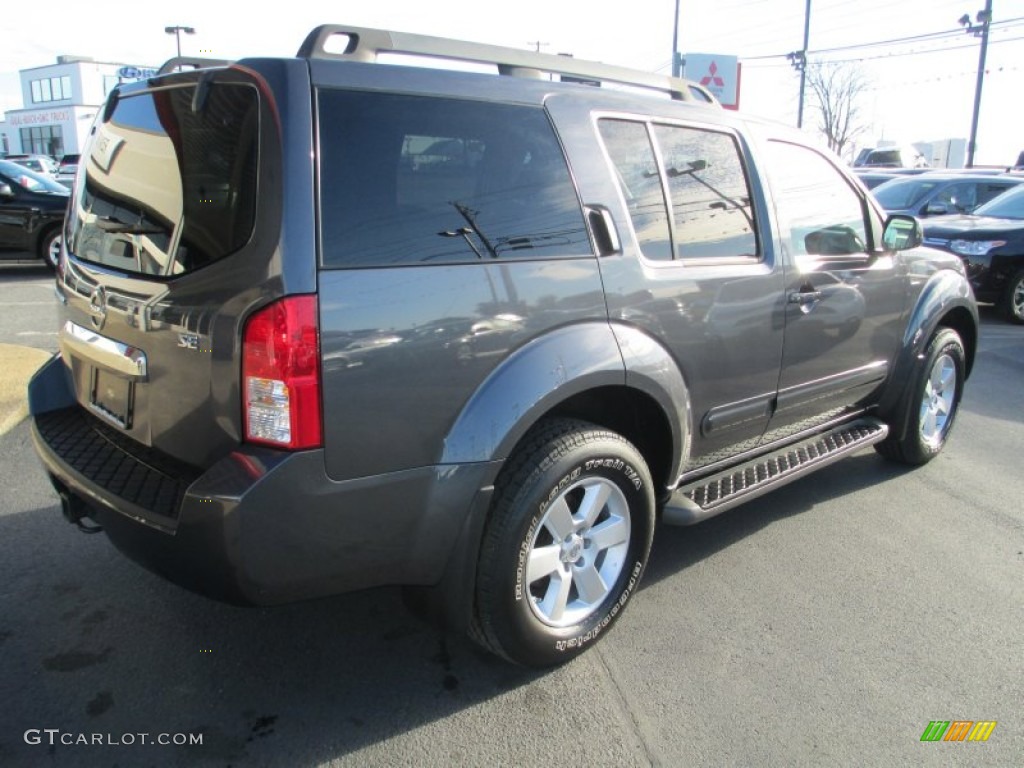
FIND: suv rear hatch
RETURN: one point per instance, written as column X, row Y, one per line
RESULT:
column 169, row 250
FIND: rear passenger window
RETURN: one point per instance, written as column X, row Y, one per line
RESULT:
column 711, row 204
column 414, row 180
column 636, row 169
column 707, row 191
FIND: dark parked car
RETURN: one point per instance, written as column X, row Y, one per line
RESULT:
column 329, row 324
column 937, row 194
column 872, row 179
column 991, row 244
column 32, row 207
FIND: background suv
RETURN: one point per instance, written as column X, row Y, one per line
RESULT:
column 991, row 243
column 935, row 193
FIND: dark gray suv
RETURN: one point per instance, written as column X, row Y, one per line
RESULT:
column 329, row 324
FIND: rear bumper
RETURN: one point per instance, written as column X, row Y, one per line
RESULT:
column 260, row 526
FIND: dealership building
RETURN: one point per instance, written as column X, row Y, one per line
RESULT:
column 60, row 102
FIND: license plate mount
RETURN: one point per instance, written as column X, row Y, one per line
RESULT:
column 112, row 397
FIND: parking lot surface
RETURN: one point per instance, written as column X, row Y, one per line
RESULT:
column 825, row 624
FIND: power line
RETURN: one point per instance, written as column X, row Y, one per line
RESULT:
column 944, row 49
column 927, row 37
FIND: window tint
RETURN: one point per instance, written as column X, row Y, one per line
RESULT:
column 958, row 197
column 711, row 205
column 161, row 172
column 409, row 180
column 990, row 190
column 636, row 169
column 821, row 211
column 709, row 197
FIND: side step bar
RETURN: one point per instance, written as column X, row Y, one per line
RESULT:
column 698, row 501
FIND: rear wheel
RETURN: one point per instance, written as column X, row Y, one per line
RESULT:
column 1013, row 302
column 930, row 407
column 566, row 543
column 49, row 247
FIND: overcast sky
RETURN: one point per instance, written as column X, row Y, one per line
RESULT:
column 914, row 95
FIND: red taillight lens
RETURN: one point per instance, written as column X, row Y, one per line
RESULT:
column 281, row 375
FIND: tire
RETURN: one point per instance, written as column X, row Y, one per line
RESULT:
column 565, row 545
column 1013, row 301
column 49, row 247
column 928, row 413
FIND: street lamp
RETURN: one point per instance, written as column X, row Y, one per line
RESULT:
column 176, row 31
column 979, row 30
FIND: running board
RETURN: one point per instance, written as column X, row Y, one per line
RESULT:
column 698, row 501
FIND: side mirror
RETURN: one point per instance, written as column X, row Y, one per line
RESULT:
column 936, row 209
column 6, row 193
column 902, row 233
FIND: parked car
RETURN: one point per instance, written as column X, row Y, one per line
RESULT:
column 38, row 163
column 872, row 179
column 991, row 243
column 67, row 167
column 937, row 194
column 329, row 324
column 890, row 157
column 32, row 207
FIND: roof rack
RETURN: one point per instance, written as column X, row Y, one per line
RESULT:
column 189, row 62
column 365, row 44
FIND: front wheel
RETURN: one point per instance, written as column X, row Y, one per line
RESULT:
column 565, row 545
column 930, row 407
column 49, row 247
column 1013, row 301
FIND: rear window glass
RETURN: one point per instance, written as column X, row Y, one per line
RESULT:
column 414, row 180
column 170, row 181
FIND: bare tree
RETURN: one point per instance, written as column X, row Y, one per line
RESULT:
column 836, row 89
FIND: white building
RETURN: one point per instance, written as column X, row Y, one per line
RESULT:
column 61, row 101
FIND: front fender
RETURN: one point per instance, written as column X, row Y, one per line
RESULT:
column 946, row 299
column 532, row 380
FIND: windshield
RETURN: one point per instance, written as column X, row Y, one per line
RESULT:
column 1009, row 205
column 903, row 193
column 168, row 181
column 26, row 178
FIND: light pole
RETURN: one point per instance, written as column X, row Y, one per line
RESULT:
column 176, row 31
column 677, row 64
column 984, row 19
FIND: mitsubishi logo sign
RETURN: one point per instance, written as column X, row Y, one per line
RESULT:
column 719, row 74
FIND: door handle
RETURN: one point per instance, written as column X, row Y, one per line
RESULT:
column 805, row 297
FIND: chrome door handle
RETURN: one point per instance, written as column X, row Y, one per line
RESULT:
column 805, row 297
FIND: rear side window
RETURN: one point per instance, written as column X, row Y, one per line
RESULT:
column 696, row 174
column 170, row 182
column 419, row 180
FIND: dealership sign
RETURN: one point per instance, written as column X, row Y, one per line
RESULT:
column 136, row 73
column 719, row 74
column 39, row 118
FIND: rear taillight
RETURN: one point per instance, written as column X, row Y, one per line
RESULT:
column 281, row 375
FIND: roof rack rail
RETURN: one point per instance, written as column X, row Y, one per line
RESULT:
column 190, row 62
column 365, row 44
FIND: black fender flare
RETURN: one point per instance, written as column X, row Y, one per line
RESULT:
column 946, row 293
column 530, row 383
